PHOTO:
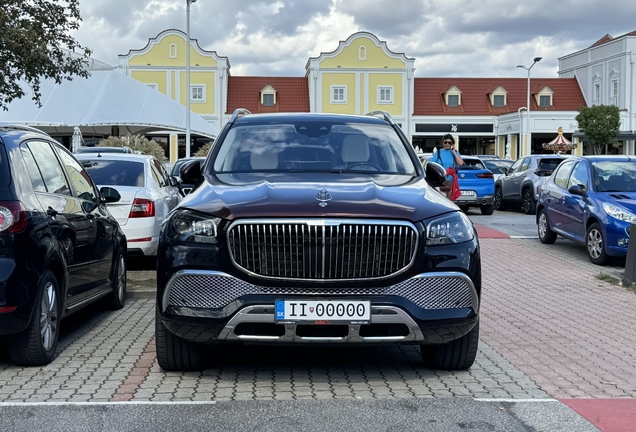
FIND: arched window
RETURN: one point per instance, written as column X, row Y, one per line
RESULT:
column 173, row 51
column 362, row 53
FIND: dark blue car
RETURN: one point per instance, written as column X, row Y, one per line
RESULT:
column 590, row 200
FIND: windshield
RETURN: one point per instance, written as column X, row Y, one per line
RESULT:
column 549, row 164
column 316, row 146
column 610, row 176
column 472, row 164
column 494, row 165
column 115, row 173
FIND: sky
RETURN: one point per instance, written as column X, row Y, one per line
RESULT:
column 461, row 38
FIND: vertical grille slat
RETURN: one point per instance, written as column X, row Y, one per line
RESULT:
column 329, row 251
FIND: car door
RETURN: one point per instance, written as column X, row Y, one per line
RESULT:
column 575, row 206
column 100, row 223
column 72, row 229
column 557, row 192
column 174, row 197
column 509, row 181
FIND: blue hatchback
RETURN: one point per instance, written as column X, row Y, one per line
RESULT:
column 592, row 201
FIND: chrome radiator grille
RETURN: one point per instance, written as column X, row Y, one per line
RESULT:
column 322, row 249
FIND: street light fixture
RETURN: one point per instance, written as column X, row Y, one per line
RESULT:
column 188, row 90
column 528, row 133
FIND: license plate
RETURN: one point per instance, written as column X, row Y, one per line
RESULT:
column 323, row 312
column 468, row 193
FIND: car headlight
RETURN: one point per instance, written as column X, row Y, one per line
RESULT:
column 190, row 226
column 620, row 213
column 448, row 229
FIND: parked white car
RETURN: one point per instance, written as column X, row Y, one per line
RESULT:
column 148, row 194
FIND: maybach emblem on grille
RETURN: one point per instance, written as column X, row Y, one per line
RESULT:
column 323, row 196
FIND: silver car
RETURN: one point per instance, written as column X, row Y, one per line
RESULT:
column 519, row 186
column 148, row 194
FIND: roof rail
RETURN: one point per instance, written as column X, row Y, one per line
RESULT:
column 19, row 126
column 385, row 115
column 238, row 113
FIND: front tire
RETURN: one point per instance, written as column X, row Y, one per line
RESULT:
column 456, row 355
column 595, row 245
column 464, row 208
column 529, row 206
column 118, row 297
column 175, row 353
column 546, row 235
column 499, row 202
column 35, row 346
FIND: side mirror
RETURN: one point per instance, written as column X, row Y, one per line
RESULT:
column 435, row 174
column 175, row 180
column 504, row 171
column 190, row 172
column 109, row 194
column 577, row 190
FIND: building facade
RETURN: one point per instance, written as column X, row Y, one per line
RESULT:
column 486, row 115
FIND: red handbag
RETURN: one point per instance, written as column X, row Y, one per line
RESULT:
column 455, row 191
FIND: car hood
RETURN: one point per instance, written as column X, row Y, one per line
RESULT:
column 624, row 199
column 233, row 196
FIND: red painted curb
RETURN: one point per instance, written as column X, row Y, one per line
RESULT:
column 485, row 232
column 609, row 415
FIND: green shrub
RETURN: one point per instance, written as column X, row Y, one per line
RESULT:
column 205, row 149
column 136, row 143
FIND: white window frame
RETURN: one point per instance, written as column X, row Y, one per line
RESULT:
column 173, row 51
column 495, row 96
column 385, row 88
column 453, row 91
column 268, row 94
column 448, row 100
column 362, row 53
column 333, row 88
column 596, row 94
column 614, row 94
column 549, row 100
column 203, row 93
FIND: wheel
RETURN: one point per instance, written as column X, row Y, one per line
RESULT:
column 499, row 202
column 174, row 353
column 464, row 208
column 529, row 206
column 488, row 209
column 118, row 297
column 546, row 235
column 595, row 245
column 456, row 355
column 35, row 346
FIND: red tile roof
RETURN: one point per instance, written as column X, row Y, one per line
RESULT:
column 475, row 99
column 602, row 40
column 292, row 94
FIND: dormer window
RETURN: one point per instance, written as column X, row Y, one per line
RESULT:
column 544, row 97
column 268, row 96
column 498, row 97
column 453, row 97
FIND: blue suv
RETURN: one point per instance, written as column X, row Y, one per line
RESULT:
column 60, row 248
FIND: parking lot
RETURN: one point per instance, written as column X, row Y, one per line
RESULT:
column 550, row 329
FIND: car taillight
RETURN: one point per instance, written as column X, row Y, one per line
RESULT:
column 12, row 217
column 485, row 175
column 142, row 207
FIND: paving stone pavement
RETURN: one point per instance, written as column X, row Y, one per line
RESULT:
column 550, row 328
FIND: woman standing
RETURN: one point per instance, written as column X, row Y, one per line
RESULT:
column 448, row 157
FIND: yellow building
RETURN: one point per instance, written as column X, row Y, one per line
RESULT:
column 360, row 76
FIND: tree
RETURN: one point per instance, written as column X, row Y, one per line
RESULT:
column 600, row 124
column 205, row 149
column 35, row 44
column 137, row 143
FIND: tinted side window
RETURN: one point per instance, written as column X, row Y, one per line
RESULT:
column 579, row 175
column 4, row 167
column 32, row 169
column 52, row 173
column 515, row 167
column 526, row 164
column 549, row 164
column 115, row 172
column 561, row 176
column 80, row 179
column 162, row 172
column 156, row 175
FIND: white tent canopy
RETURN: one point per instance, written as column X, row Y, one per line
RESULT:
column 107, row 98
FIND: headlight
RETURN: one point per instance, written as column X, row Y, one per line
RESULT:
column 190, row 226
column 619, row 213
column 449, row 229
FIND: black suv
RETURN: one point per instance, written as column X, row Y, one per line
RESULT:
column 60, row 248
column 316, row 228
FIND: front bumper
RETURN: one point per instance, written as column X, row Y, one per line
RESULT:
column 210, row 306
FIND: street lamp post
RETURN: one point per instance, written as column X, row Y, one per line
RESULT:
column 528, row 132
column 188, row 91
